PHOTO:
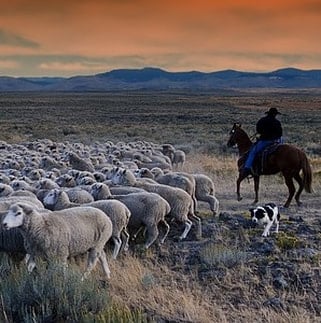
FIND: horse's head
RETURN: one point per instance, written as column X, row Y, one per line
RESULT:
column 234, row 133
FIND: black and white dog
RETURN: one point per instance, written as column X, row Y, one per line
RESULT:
column 266, row 215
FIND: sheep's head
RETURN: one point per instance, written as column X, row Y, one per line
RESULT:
column 15, row 215
column 51, row 198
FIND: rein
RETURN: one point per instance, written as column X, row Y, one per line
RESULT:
column 253, row 136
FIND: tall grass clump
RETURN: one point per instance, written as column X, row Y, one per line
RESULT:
column 51, row 295
column 215, row 255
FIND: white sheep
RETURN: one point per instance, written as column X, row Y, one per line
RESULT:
column 119, row 215
column 77, row 162
column 147, row 210
column 123, row 190
column 57, row 199
column 205, row 191
column 5, row 190
column 100, row 191
column 182, row 205
column 11, row 241
column 182, row 180
column 179, row 158
column 55, row 236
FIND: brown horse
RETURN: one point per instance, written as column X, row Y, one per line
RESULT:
column 286, row 159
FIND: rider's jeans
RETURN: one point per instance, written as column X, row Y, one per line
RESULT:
column 256, row 148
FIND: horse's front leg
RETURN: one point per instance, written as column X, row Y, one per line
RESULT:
column 256, row 188
column 238, row 184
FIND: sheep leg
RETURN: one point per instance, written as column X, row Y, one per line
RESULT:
column 167, row 231
column 137, row 232
column 152, row 235
column 91, row 262
column 188, row 225
column 199, row 225
column 117, row 243
column 126, row 239
column 104, row 264
column 30, row 261
column 214, row 204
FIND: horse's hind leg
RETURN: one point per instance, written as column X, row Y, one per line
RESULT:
column 256, row 188
column 291, row 188
column 298, row 178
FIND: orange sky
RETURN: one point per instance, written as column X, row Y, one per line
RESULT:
column 72, row 37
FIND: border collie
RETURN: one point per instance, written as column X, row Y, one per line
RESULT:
column 266, row 214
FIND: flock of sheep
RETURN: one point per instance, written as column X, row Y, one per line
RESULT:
column 62, row 200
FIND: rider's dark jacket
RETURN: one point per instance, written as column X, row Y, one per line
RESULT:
column 269, row 128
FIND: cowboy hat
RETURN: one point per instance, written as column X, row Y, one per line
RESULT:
column 273, row 111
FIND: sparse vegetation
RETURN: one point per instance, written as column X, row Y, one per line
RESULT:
column 232, row 274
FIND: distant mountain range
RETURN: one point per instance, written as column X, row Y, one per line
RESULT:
column 157, row 79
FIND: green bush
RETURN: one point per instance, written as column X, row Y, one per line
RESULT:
column 286, row 241
column 218, row 255
column 50, row 295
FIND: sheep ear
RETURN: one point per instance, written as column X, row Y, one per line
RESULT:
column 124, row 171
column 26, row 208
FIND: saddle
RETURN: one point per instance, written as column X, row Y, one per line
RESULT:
column 260, row 160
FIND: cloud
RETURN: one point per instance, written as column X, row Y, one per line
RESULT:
column 8, row 64
column 74, row 67
column 8, row 38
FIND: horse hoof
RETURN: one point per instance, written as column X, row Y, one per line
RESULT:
column 240, row 198
column 299, row 203
column 254, row 202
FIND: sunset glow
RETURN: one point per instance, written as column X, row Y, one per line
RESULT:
column 65, row 38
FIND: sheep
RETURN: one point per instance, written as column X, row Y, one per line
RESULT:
column 179, row 158
column 182, row 180
column 119, row 215
column 66, row 180
column 12, row 242
column 147, row 210
column 205, row 191
column 45, row 183
column 79, row 195
column 56, row 200
column 182, row 205
column 19, row 184
column 5, row 190
column 4, row 179
column 58, row 235
column 49, row 163
column 36, row 174
column 144, row 173
column 163, row 165
column 176, row 156
column 5, row 202
column 123, row 190
column 78, row 163
column 100, row 191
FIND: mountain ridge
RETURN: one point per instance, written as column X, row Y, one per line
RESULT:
column 158, row 79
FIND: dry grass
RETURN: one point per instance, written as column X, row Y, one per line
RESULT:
column 160, row 291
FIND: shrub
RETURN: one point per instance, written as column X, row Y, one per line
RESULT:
column 52, row 295
column 218, row 255
column 286, row 241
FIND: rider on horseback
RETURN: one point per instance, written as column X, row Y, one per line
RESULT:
column 270, row 131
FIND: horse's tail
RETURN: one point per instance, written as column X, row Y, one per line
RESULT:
column 307, row 174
